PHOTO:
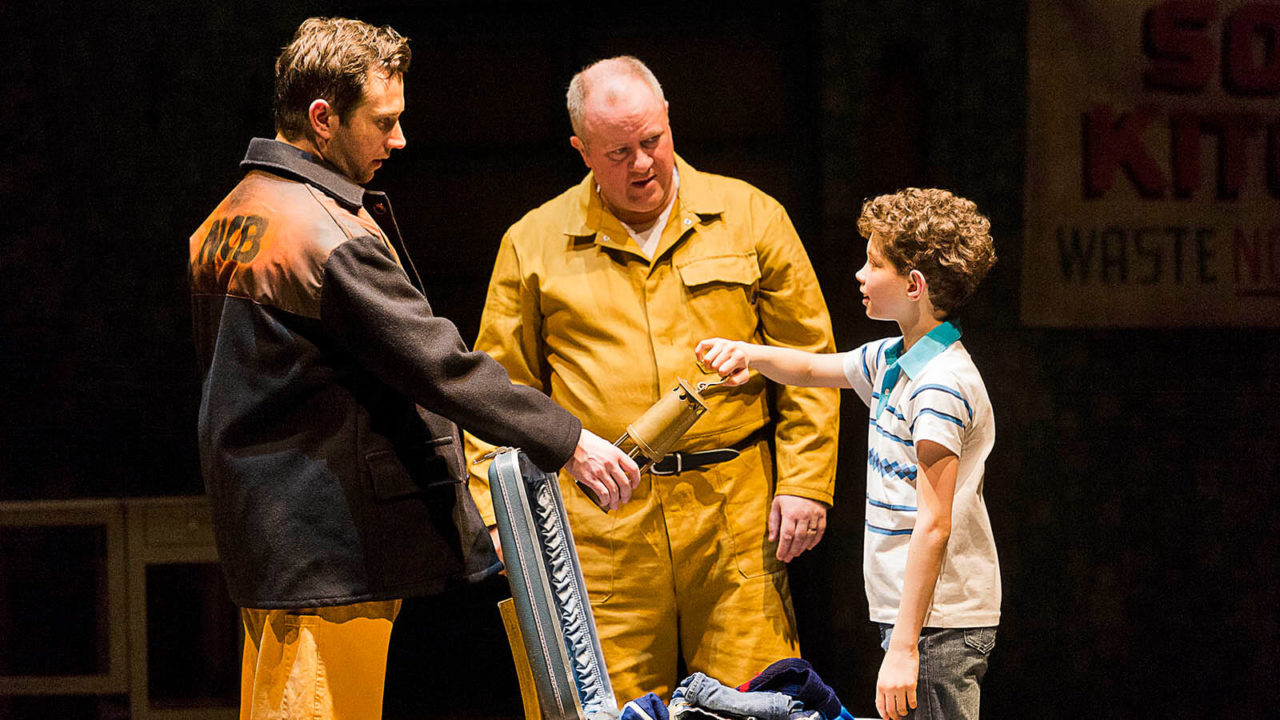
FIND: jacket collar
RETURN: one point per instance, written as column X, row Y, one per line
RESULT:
column 282, row 158
column 588, row 215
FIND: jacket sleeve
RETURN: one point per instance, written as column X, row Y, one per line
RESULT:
column 793, row 314
column 370, row 308
column 510, row 331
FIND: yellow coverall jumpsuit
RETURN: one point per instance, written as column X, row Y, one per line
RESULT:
column 575, row 309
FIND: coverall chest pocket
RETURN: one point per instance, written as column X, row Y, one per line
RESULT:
column 721, row 292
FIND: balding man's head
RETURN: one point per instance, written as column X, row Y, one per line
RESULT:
column 609, row 76
column 622, row 131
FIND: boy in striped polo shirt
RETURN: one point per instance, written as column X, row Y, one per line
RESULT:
column 931, row 573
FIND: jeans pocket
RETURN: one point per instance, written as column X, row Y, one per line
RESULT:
column 980, row 639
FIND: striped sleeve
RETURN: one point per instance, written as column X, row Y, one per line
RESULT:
column 861, row 366
column 938, row 410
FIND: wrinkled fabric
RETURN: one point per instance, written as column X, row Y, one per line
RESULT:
column 315, row 664
column 646, row 707
column 704, row 693
column 796, row 678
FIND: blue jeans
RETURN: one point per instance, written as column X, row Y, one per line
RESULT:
column 953, row 662
column 705, row 693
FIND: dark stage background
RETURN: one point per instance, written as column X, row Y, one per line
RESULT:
column 1133, row 485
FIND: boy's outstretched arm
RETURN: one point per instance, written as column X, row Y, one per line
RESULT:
column 734, row 358
column 896, row 684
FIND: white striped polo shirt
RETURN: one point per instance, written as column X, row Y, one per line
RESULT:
column 932, row 392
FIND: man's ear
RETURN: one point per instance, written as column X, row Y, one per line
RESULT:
column 581, row 148
column 323, row 119
column 917, row 285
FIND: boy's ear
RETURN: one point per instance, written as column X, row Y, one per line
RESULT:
column 917, row 286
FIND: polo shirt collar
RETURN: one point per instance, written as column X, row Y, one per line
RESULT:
column 913, row 361
column 282, row 158
column 926, row 348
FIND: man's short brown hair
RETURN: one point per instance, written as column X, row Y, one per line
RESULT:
column 940, row 234
column 330, row 59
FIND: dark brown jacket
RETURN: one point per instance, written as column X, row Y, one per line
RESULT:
column 330, row 395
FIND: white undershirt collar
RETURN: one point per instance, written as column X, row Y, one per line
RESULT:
column 648, row 239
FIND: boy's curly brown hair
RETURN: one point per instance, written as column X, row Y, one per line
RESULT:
column 936, row 232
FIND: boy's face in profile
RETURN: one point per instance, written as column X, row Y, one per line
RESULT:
column 883, row 286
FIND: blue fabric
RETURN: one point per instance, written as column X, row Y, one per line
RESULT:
column 914, row 360
column 645, row 707
column 702, row 693
column 796, row 678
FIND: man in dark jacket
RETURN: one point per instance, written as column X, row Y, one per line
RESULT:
column 331, row 391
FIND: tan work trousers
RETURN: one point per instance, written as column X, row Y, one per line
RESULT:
column 316, row 664
column 685, row 570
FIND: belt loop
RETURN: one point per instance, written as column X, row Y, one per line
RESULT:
column 679, row 462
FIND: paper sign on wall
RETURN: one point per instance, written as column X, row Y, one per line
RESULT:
column 1153, row 170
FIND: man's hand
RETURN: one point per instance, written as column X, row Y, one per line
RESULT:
column 604, row 469
column 896, row 684
column 727, row 357
column 797, row 524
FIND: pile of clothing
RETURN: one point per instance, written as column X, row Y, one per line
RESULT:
column 789, row 689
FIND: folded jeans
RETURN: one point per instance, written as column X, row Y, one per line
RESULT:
column 704, row 693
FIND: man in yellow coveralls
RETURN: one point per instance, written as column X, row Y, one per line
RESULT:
column 597, row 299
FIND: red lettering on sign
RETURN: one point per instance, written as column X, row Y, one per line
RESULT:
column 1184, row 130
column 1257, row 258
column 1232, row 129
column 1243, row 73
column 1174, row 37
column 1111, row 145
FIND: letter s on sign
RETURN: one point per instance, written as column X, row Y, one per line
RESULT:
column 1174, row 37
